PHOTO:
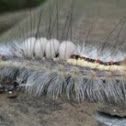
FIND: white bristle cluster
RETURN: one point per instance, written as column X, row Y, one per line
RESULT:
column 28, row 47
column 66, row 49
column 52, row 48
column 40, row 46
column 105, row 55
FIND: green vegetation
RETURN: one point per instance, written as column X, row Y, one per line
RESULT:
column 12, row 5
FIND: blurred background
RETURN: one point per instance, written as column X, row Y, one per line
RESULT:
column 13, row 5
column 14, row 11
column 93, row 20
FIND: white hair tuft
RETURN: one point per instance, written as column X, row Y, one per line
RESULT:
column 52, row 48
column 66, row 49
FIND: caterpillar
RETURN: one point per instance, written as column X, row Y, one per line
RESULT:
column 50, row 60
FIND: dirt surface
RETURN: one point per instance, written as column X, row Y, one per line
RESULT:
column 27, row 110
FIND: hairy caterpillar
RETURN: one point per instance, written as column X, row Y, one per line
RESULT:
column 45, row 60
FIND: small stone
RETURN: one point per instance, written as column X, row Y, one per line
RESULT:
column 12, row 94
